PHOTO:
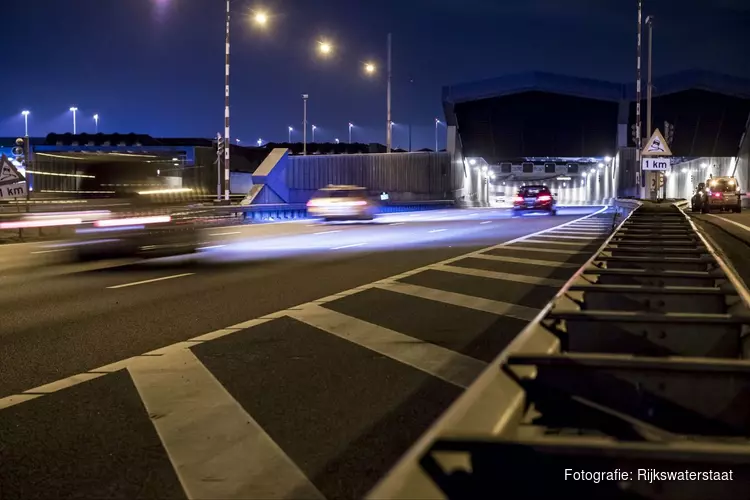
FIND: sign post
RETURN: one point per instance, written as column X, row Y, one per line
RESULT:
column 12, row 183
column 656, row 161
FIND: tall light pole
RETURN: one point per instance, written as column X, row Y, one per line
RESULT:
column 313, row 133
column 437, row 122
column 351, row 125
column 650, row 23
column 226, row 105
column 25, row 114
column 260, row 142
column 304, row 123
column 638, row 138
column 74, row 109
column 389, row 136
column 96, row 123
column 290, row 135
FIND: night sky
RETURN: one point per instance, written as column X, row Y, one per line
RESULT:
column 157, row 66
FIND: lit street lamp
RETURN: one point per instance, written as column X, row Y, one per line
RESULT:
column 437, row 122
column 350, row 132
column 74, row 109
column 290, row 135
column 313, row 133
column 260, row 142
column 369, row 68
column 325, row 48
column 260, row 18
column 304, row 123
column 25, row 114
column 337, row 140
column 96, row 122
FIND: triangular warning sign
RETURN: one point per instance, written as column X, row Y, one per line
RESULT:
column 9, row 173
column 657, row 146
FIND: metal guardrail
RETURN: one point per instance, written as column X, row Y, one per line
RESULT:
column 637, row 370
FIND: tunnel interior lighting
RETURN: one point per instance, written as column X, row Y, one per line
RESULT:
column 472, row 162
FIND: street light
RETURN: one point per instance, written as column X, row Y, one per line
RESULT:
column 290, row 135
column 260, row 142
column 369, row 68
column 313, row 133
column 350, row 132
column 437, row 122
column 260, row 18
column 96, row 122
column 304, row 123
column 607, row 159
column 325, row 48
column 601, row 165
column 25, row 114
column 74, row 109
column 337, row 140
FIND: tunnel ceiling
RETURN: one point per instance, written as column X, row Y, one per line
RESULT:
column 545, row 115
column 537, row 124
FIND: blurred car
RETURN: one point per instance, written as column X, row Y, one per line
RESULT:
column 696, row 201
column 721, row 193
column 341, row 203
column 534, row 199
column 137, row 235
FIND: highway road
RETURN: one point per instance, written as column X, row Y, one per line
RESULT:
column 731, row 234
column 290, row 360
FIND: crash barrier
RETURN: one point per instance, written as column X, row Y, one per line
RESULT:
column 632, row 383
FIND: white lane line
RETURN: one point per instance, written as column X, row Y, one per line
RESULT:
column 348, row 246
column 532, row 249
column 50, row 251
column 486, row 222
column 480, row 273
column 150, row 281
column 437, row 230
column 329, row 232
column 558, row 242
column 448, row 365
column 578, row 232
column 226, row 234
column 397, row 224
column 462, row 300
column 558, row 235
column 746, row 228
column 519, row 260
column 15, row 399
column 217, row 449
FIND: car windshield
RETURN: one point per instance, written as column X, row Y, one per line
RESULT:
column 533, row 191
column 723, row 186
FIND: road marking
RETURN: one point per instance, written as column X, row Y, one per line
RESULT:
column 547, row 242
column 486, row 222
column 559, row 235
column 226, row 234
column 519, row 260
column 329, row 232
column 217, row 449
column 532, row 249
column 15, row 399
column 448, row 365
column 210, row 247
column 415, row 215
column 437, row 230
column 348, row 246
column 480, row 273
column 150, row 281
column 51, row 251
column 462, row 300
column 746, row 228
column 397, row 224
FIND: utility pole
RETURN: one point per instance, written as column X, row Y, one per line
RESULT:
column 304, row 123
column 388, row 99
column 639, row 135
column 650, row 23
column 226, row 108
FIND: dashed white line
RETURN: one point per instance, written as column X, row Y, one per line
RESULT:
column 437, row 230
column 485, row 222
column 150, row 281
column 329, row 232
column 398, row 224
column 225, row 234
column 348, row 246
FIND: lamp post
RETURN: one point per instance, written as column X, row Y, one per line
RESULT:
column 304, row 123
column 389, row 135
column 96, row 122
column 437, row 122
column 351, row 125
column 313, row 133
column 290, row 135
column 25, row 114
column 74, row 109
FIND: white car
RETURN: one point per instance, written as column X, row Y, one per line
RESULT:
column 341, row 203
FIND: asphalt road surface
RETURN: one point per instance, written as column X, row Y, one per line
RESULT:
column 731, row 233
column 291, row 360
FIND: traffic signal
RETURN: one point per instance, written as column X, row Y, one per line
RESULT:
column 668, row 132
column 220, row 145
column 19, row 151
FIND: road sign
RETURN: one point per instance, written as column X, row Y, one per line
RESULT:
column 656, row 164
column 13, row 191
column 9, row 174
column 657, row 146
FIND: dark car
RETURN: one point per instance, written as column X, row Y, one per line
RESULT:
column 696, row 202
column 534, row 199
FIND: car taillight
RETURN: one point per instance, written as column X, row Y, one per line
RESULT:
column 544, row 197
column 517, row 199
column 314, row 203
column 716, row 195
column 132, row 221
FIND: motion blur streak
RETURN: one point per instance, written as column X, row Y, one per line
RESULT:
column 133, row 221
column 24, row 224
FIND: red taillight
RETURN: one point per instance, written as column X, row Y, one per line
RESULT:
column 517, row 199
column 314, row 203
column 544, row 197
column 716, row 195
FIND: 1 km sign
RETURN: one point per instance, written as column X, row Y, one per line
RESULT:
column 656, row 164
